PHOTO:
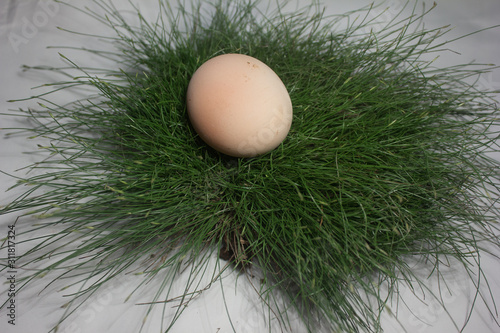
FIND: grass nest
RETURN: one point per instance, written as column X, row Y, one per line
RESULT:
column 386, row 160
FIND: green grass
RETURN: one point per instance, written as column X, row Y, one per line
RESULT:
column 386, row 160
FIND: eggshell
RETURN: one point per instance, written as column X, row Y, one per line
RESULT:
column 239, row 106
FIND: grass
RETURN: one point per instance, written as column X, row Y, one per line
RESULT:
column 386, row 160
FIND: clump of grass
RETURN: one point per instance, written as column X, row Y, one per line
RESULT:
column 386, row 159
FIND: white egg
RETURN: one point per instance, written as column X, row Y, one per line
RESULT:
column 239, row 106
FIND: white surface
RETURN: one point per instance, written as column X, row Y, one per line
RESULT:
column 24, row 34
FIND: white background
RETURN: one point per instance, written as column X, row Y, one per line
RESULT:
column 21, row 44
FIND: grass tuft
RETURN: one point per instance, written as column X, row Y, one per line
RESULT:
column 386, row 161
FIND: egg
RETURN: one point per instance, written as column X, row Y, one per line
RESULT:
column 238, row 105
